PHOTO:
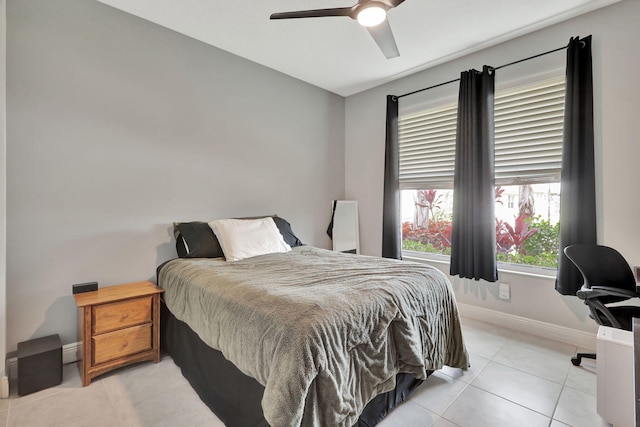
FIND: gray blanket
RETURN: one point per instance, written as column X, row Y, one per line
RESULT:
column 323, row 332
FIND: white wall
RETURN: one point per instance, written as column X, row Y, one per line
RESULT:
column 116, row 127
column 3, row 190
column 616, row 58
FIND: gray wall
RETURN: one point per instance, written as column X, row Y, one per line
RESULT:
column 116, row 127
column 3, row 190
column 616, row 57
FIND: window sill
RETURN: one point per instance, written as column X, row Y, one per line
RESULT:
column 503, row 267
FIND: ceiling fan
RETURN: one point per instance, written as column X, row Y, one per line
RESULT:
column 372, row 14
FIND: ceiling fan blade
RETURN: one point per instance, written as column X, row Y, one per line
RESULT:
column 317, row 13
column 383, row 36
column 395, row 3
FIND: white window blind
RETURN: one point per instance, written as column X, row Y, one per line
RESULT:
column 426, row 146
column 528, row 130
column 528, row 139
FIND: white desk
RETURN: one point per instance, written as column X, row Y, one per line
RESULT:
column 614, row 376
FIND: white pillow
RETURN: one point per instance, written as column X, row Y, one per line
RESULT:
column 246, row 238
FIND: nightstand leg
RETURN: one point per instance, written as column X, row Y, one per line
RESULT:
column 156, row 327
column 84, row 335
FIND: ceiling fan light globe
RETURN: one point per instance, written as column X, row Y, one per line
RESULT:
column 372, row 16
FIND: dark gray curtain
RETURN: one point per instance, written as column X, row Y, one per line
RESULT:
column 578, row 188
column 391, row 227
column 473, row 237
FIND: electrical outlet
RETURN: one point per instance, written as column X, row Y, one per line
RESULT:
column 505, row 291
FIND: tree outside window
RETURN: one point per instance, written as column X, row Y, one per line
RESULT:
column 525, row 234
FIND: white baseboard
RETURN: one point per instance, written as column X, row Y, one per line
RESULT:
column 69, row 355
column 581, row 339
column 4, row 387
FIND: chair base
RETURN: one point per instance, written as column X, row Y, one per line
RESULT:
column 578, row 359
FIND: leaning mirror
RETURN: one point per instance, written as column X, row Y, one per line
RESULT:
column 346, row 237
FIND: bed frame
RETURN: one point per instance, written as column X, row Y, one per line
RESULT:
column 235, row 397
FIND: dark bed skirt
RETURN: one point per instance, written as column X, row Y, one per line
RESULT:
column 235, row 397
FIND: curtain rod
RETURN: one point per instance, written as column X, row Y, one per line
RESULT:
column 494, row 68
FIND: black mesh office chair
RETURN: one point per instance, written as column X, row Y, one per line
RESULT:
column 607, row 279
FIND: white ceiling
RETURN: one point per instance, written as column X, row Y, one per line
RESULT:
column 336, row 53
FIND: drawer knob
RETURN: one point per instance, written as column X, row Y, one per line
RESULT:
column 124, row 344
column 124, row 316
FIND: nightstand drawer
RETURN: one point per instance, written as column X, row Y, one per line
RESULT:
column 117, row 344
column 121, row 314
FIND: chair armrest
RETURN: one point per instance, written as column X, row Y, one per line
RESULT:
column 606, row 290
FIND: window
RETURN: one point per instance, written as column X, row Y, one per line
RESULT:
column 528, row 156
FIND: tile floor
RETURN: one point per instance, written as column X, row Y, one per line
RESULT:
column 515, row 380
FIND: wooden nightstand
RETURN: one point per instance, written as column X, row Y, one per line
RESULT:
column 117, row 326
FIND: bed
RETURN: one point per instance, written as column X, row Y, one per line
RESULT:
column 304, row 336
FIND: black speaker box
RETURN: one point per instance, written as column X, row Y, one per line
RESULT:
column 84, row 287
column 39, row 364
